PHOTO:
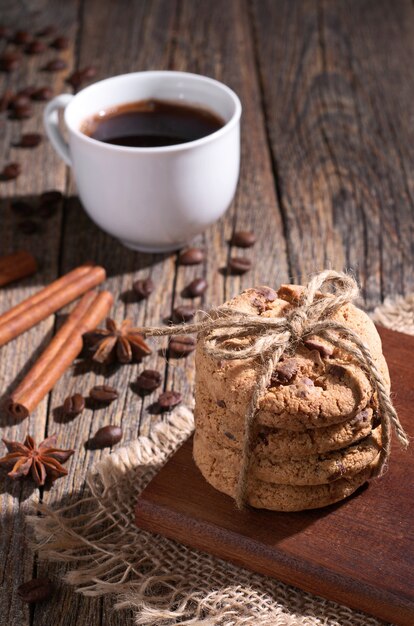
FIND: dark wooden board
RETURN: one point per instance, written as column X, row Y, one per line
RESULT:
column 359, row 552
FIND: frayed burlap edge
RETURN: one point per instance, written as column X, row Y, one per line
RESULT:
column 166, row 583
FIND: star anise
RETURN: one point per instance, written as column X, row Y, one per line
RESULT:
column 42, row 461
column 117, row 342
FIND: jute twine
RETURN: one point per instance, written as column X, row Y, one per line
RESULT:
column 267, row 339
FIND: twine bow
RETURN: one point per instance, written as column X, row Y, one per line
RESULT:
column 268, row 338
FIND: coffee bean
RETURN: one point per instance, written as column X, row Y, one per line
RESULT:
column 11, row 171
column 181, row 346
column 42, row 94
column 48, row 30
column 30, row 140
column 106, row 437
column 22, row 112
column 5, row 32
column 27, row 91
column 9, row 61
column 49, row 203
column 191, row 256
column 168, row 400
column 5, row 100
column 243, row 239
column 103, row 393
column 239, row 265
column 148, row 381
column 19, row 100
column 28, row 227
column 56, row 65
column 143, row 287
column 20, row 207
column 183, row 313
column 35, row 590
column 196, row 288
column 21, row 37
column 73, row 405
column 80, row 76
column 60, row 43
column 35, row 47
column 51, row 196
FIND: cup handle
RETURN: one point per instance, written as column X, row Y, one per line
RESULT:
column 51, row 124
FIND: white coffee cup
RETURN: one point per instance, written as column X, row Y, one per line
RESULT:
column 152, row 199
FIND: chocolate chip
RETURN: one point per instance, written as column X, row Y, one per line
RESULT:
column 269, row 294
column 28, row 227
column 239, row 265
column 181, row 346
column 73, row 405
column 148, row 381
column 103, row 393
column 143, row 287
column 243, row 239
column 168, row 400
column 21, row 37
column 48, row 30
column 106, row 437
column 35, row 590
column 258, row 304
column 9, row 61
column 196, row 288
column 60, row 43
column 284, row 372
column 20, row 207
column 221, row 404
column 35, row 47
column 324, row 349
column 56, row 65
column 183, row 313
column 30, row 140
column 191, row 256
column 338, row 473
column 336, row 370
column 42, row 94
column 11, row 171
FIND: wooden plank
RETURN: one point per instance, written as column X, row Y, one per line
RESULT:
column 41, row 170
column 338, row 106
column 126, row 36
column 359, row 552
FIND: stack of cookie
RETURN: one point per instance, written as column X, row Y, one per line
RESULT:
column 317, row 435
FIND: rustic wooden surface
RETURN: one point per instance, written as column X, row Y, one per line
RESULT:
column 326, row 180
column 340, row 552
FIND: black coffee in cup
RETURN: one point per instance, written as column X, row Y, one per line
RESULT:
column 152, row 124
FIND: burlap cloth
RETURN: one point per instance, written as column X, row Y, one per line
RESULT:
column 166, row 583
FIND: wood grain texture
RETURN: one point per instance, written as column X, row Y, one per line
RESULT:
column 359, row 552
column 312, row 133
column 338, row 103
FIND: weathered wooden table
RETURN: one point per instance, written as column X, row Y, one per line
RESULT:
column 326, row 180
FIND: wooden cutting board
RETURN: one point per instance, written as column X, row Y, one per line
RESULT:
column 359, row 552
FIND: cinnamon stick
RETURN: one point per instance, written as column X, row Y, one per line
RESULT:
column 15, row 266
column 57, row 342
column 46, row 292
column 58, row 356
column 71, row 287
